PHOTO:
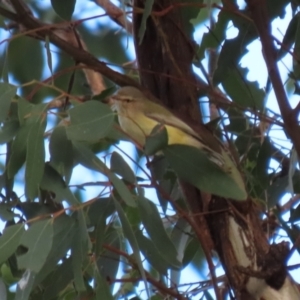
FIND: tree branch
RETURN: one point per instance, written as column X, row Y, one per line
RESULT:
column 79, row 55
column 262, row 23
column 116, row 14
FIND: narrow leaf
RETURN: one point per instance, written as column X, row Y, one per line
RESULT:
column 149, row 250
column 25, row 285
column 18, row 155
column 35, row 158
column 90, row 121
column 61, row 151
column 64, row 231
column 120, row 166
column 88, row 159
column 243, row 92
column 64, row 8
column 128, row 232
column 7, row 92
column 154, row 226
column 52, row 181
column 193, row 166
column 10, row 240
column 38, row 239
column 157, row 140
column 146, row 14
column 102, row 288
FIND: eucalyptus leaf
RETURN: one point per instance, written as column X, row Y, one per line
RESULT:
column 25, row 285
column 10, row 240
column 7, row 92
column 157, row 140
column 87, row 158
column 64, row 8
column 128, row 232
column 61, row 151
column 153, row 224
column 151, row 253
column 64, row 231
column 35, row 159
column 120, row 166
column 90, row 121
column 146, row 14
column 194, row 167
column 38, row 239
column 53, row 182
column 242, row 92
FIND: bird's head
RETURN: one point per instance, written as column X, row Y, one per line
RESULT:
column 128, row 99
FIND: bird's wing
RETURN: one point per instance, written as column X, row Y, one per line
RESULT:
column 169, row 119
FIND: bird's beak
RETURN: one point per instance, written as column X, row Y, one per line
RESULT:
column 113, row 102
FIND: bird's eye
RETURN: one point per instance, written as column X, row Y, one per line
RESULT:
column 127, row 100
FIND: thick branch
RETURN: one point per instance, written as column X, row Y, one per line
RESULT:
column 79, row 55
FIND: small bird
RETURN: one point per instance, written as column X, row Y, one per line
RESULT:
column 138, row 116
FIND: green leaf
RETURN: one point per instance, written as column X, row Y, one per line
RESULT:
column 234, row 49
column 64, row 8
column 18, row 154
column 35, row 158
column 88, row 159
column 77, row 259
column 3, row 292
column 238, row 122
column 180, row 235
column 119, row 165
column 101, row 207
column 149, row 250
column 7, row 93
column 190, row 251
column 52, row 181
column 31, row 210
column 61, row 151
column 80, row 249
column 90, row 121
column 128, row 232
column 193, row 166
column 260, row 172
column 146, row 14
column 295, row 214
column 189, row 17
column 64, row 231
column 153, row 224
column 25, row 285
column 102, row 288
column 296, row 53
column 242, row 91
column 8, row 130
column 215, row 37
column 157, row 140
column 108, row 262
column 25, row 110
column 6, row 213
column 277, row 8
column 289, row 37
column 28, row 64
column 10, row 240
column 38, row 239
column 58, row 280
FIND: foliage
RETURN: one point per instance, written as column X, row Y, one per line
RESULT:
column 85, row 219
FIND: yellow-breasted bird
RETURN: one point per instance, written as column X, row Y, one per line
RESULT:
column 138, row 116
